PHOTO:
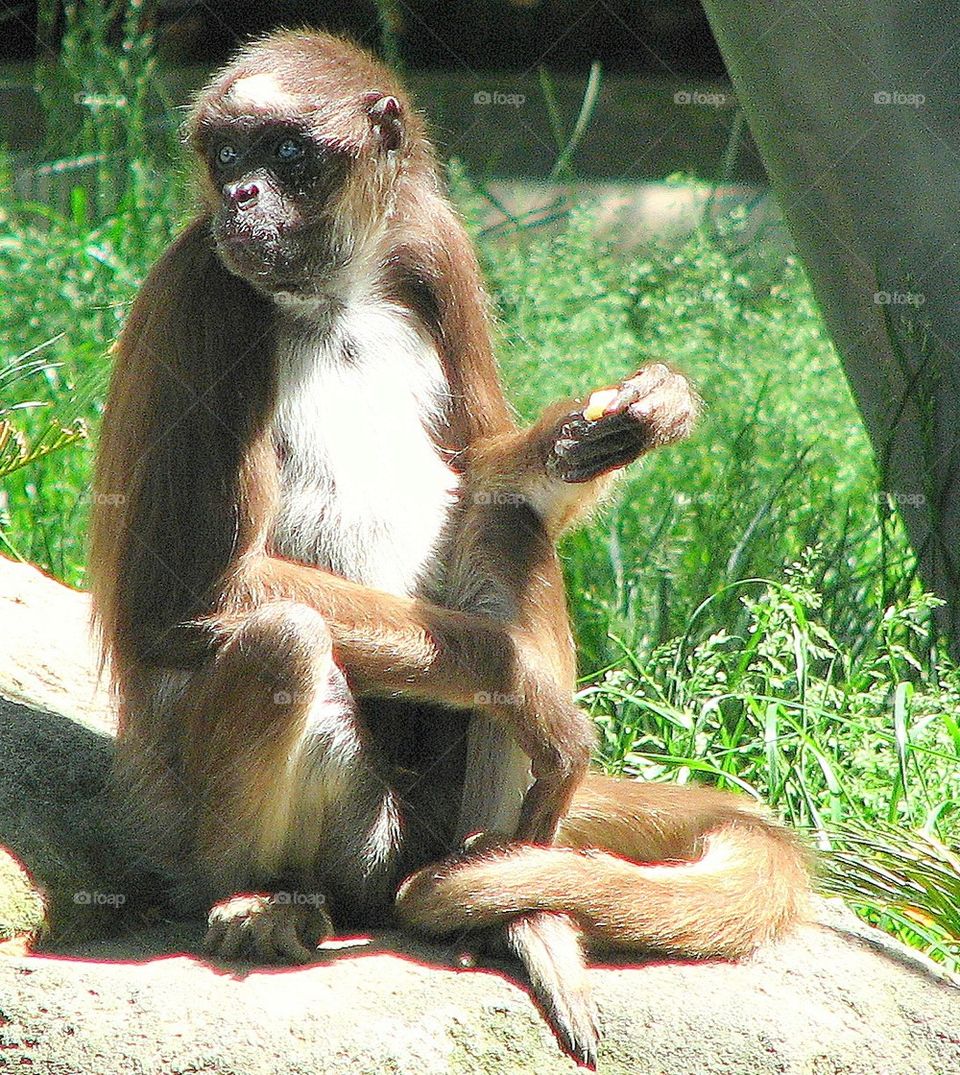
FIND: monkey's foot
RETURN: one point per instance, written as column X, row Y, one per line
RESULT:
column 266, row 929
column 655, row 406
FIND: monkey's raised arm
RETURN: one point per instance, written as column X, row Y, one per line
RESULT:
column 563, row 463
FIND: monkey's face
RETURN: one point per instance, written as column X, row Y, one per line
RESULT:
column 304, row 139
column 275, row 190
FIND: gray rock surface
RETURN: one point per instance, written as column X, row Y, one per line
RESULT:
column 836, row 997
column 47, row 658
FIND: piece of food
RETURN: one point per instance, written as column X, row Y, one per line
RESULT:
column 598, row 403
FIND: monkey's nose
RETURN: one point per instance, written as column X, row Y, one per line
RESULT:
column 243, row 195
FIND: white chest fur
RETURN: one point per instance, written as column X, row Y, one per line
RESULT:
column 364, row 490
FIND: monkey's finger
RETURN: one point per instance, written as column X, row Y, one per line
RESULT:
column 324, row 927
column 580, row 431
column 607, row 401
column 647, row 379
column 213, row 938
column 609, row 431
column 574, row 436
column 613, row 443
column 288, row 943
column 260, row 940
column 595, row 464
column 233, row 944
column 541, row 809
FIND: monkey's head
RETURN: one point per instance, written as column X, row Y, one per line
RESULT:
column 303, row 141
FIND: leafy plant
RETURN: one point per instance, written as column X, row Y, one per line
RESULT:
column 862, row 753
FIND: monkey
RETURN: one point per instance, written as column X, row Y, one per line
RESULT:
column 326, row 584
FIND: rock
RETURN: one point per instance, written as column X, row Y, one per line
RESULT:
column 21, row 904
column 47, row 658
column 835, row 997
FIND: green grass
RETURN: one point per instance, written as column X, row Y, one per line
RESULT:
column 745, row 606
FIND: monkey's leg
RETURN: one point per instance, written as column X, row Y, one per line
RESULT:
column 394, row 646
column 287, row 787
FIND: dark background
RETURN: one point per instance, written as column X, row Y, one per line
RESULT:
column 626, row 36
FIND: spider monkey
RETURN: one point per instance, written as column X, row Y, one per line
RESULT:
column 328, row 594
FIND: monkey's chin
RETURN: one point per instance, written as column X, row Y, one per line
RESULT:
column 260, row 264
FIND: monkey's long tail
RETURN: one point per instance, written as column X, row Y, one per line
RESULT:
column 687, row 871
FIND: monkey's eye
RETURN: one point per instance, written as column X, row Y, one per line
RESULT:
column 290, row 149
column 227, row 155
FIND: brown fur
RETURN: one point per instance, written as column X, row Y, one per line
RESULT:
column 441, row 704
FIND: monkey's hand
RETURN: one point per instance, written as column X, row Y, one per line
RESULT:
column 654, row 407
column 266, row 929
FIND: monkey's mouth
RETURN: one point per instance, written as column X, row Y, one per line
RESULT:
column 237, row 232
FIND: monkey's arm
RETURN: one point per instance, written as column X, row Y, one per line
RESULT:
column 562, row 464
column 185, row 471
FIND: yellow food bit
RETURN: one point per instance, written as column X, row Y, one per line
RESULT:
column 598, row 403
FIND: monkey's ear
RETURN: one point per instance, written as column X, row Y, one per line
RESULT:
column 386, row 115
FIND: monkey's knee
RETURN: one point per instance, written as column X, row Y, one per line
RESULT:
column 278, row 661
column 253, row 704
column 282, row 640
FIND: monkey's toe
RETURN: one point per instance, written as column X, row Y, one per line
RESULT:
column 264, row 928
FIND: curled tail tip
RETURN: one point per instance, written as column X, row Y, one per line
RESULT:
column 549, row 948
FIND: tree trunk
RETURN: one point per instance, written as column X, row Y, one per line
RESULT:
column 854, row 109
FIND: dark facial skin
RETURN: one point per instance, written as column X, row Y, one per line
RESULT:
column 277, row 185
